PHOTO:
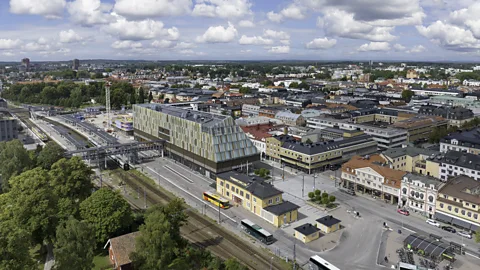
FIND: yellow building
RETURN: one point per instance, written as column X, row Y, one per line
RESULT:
column 257, row 196
column 409, row 159
column 458, row 203
column 306, row 233
column 432, row 167
column 421, row 126
column 328, row 224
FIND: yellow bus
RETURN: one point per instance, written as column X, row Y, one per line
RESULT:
column 216, row 200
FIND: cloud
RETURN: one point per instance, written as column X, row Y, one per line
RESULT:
column 152, row 8
column 285, row 41
column 416, row 49
column 89, row 12
column 321, row 44
column 126, row 44
column 162, row 43
column 225, row 9
column 399, row 47
column 274, row 17
column 51, row 9
column 246, row 24
column 9, row 44
column 245, row 51
column 254, row 40
column 276, row 34
column 140, row 30
column 450, row 37
column 292, row 11
column 41, row 45
column 69, row 36
column 279, row 49
column 218, row 34
column 185, row 45
column 374, row 46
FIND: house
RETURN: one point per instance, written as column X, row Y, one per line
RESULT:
column 120, row 249
column 290, row 119
column 257, row 196
column 328, row 224
column 409, row 159
column 419, row 193
column 462, row 140
column 454, row 163
column 306, row 233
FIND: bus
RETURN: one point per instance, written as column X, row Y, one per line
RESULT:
column 216, row 200
column 257, row 231
column 318, row 263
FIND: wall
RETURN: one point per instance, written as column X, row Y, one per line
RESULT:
column 457, row 207
column 433, row 169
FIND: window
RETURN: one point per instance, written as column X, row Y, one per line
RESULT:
column 233, row 188
column 228, row 186
column 278, row 199
column 441, row 205
column 456, row 210
column 254, row 199
column 469, row 214
column 241, row 193
column 228, row 194
column 236, row 191
column 270, row 201
column 247, row 196
column 475, row 216
column 221, row 183
column 449, row 208
column 463, row 212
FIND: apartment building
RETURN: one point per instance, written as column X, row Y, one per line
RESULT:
column 456, row 116
column 257, row 196
column 454, row 163
column 206, row 142
column 372, row 175
column 290, row 119
column 418, row 193
column 458, row 203
column 8, row 129
column 420, row 127
column 385, row 136
column 250, row 110
column 466, row 140
column 409, row 159
column 312, row 157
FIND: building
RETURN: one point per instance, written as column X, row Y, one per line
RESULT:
column 412, row 74
column 328, row 224
column 435, row 92
column 269, row 111
column 290, row 119
column 26, row 64
column 75, row 64
column 257, row 196
column 463, row 140
column 336, row 133
column 454, row 163
column 124, row 123
column 120, row 249
column 3, row 103
column 453, row 101
column 420, row 127
column 8, row 129
column 409, row 159
column 306, row 233
column 419, row 193
column 250, row 110
column 456, row 116
column 372, row 175
column 205, row 142
column 458, row 203
column 312, row 157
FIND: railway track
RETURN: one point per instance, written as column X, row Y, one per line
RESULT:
column 203, row 232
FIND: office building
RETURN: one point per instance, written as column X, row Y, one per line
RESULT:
column 458, row 203
column 26, row 64
column 206, row 142
column 420, row 127
column 8, row 129
column 419, row 194
column 464, row 140
column 75, row 64
column 257, row 196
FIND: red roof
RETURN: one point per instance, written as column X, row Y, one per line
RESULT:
column 259, row 131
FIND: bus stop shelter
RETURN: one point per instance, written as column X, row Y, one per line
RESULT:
column 428, row 247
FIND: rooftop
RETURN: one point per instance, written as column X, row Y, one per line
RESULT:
column 464, row 188
column 427, row 180
column 419, row 121
column 122, row 246
column 465, row 160
column 254, row 184
column 282, row 208
column 307, row 229
column 378, row 164
column 468, row 138
column 408, row 151
column 328, row 221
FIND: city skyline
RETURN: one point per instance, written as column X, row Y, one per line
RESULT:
column 415, row 30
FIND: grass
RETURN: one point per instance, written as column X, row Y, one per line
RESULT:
column 101, row 262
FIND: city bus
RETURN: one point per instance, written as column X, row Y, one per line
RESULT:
column 215, row 199
column 318, row 263
column 257, row 231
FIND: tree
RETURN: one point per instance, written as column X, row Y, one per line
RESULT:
column 108, row 212
column 74, row 245
column 50, row 154
column 325, row 200
column 293, row 85
column 332, row 198
column 308, row 141
column 267, row 83
column 233, row 264
column 245, row 90
column 141, row 96
column 407, row 95
column 34, row 204
column 317, row 192
column 304, row 85
column 325, row 195
column 262, row 172
column 150, row 97
column 14, row 159
column 213, row 88
column 133, row 100
column 311, row 195
column 14, row 247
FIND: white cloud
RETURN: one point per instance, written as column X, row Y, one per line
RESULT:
column 274, row 17
column 126, row 44
column 89, row 12
column 321, row 44
column 69, row 36
column 218, row 34
column 399, row 47
column 450, row 37
column 185, row 45
column 374, row 46
column 279, row 49
column 162, row 43
column 152, row 8
column 254, row 40
column 416, row 49
column 51, row 9
column 276, row 34
column 293, row 12
column 140, row 30
column 245, row 51
column 8, row 44
column 246, row 24
column 285, row 42
column 8, row 54
column 222, row 8
column 40, row 45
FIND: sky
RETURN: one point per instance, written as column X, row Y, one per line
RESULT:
column 397, row 30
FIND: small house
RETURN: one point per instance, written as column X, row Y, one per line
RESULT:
column 306, row 233
column 328, row 224
column 120, row 249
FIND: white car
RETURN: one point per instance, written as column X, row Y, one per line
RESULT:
column 433, row 222
column 465, row 234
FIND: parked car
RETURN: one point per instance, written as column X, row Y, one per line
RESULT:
column 449, row 229
column 433, row 222
column 403, row 212
column 465, row 234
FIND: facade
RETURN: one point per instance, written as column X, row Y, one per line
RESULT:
column 458, row 203
column 456, row 116
column 124, row 123
column 409, row 159
column 268, row 111
column 419, row 193
column 120, row 249
column 336, row 133
column 421, row 126
column 453, row 101
column 257, row 196
column 328, row 224
column 290, row 119
column 467, row 141
column 250, row 110
column 454, row 163
column 435, row 92
column 312, row 157
column 26, row 63
column 206, row 142
column 75, row 64
column 306, row 233
column 372, row 175
column 8, row 129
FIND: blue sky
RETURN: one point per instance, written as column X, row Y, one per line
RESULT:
column 435, row 30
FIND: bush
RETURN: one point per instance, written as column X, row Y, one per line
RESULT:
column 317, row 192
column 325, row 195
column 331, row 198
column 311, row 195
column 325, row 200
column 318, row 198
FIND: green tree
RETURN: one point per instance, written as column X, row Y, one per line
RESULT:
column 293, row 85
column 267, row 83
column 108, row 212
column 50, row 154
column 14, row 159
column 233, row 264
column 304, row 85
column 213, row 88
column 141, row 96
column 308, row 141
column 245, row 90
column 318, row 192
column 74, row 246
column 407, row 95
column 14, row 247
column 262, row 172
column 133, row 100
column 325, row 195
column 325, row 201
column 311, row 195
column 150, row 97
column 332, row 198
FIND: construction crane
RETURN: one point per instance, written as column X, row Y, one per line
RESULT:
column 108, row 108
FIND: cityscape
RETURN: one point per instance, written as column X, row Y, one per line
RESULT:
column 239, row 134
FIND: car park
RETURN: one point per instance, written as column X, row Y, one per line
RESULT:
column 433, row 222
column 465, row 234
column 403, row 212
column 449, row 229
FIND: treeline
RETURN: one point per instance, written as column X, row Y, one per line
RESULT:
column 438, row 133
column 70, row 94
column 475, row 75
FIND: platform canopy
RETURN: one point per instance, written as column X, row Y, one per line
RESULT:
column 425, row 244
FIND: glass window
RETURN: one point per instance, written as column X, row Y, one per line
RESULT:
column 248, row 196
column 449, row 208
column 469, row 214
column 221, row 183
column 233, row 188
column 270, row 201
column 228, row 194
column 456, row 210
column 441, row 205
column 228, row 186
column 278, row 199
column 475, row 216
column 241, row 193
column 254, row 199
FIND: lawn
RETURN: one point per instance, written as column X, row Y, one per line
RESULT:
column 101, row 262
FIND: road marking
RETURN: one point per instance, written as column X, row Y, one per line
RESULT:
column 179, row 174
column 182, row 189
column 409, row 230
column 472, row 255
